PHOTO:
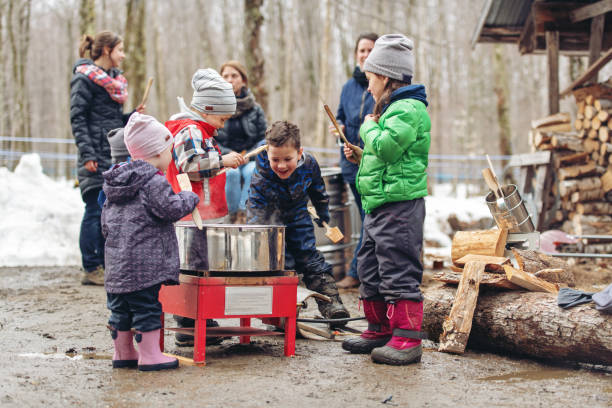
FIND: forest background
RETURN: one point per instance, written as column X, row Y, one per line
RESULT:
column 298, row 55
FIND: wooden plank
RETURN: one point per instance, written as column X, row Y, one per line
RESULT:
column 529, row 281
column 458, row 325
column 570, row 172
column 552, row 55
column 595, row 41
column 527, row 39
column 492, row 263
column 589, row 73
column 590, row 11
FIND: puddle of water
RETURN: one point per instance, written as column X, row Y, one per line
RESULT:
column 70, row 356
column 532, row 375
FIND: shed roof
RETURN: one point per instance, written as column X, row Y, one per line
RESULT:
column 524, row 22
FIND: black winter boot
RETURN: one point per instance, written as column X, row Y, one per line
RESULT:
column 186, row 340
column 326, row 285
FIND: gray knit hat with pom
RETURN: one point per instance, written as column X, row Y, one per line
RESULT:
column 212, row 94
column 392, row 56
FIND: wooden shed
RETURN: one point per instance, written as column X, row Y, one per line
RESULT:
column 551, row 27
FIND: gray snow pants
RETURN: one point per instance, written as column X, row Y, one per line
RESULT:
column 389, row 262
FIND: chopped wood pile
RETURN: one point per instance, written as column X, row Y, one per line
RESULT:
column 582, row 161
column 479, row 262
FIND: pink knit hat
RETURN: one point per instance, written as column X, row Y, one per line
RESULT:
column 145, row 137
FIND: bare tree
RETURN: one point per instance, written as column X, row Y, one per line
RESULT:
column 254, row 52
column 320, row 139
column 502, row 92
column 135, row 49
column 160, row 73
column 87, row 17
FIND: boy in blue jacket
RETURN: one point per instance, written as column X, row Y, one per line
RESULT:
column 284, row 179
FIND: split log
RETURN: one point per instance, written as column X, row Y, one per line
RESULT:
column 540, row 138
column 595, row 157
column 561, row 141
column 458, row 325
column 529, row 281
column 572, row 158
column 562, row 276
column 494, row 280
column 603, row 115
column 533, row 261
column 483, row 242
column 528, row 324
column 492, row 263
column 567, row 187
column 586, row 195
column 577, row 171
column 592, row 224
column 559, row 127
column 602, row 104
column 606, row 181
column 603, row 134
column 594, row 207
column 605, row 148
column 591, row 146
column 589, row 111
column 561, row 117
column 586, row 123
column 595, row 125
column 578, row 124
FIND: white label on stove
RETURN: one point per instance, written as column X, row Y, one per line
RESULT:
column 248, row 300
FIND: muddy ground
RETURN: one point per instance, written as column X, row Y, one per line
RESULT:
column 55, row 351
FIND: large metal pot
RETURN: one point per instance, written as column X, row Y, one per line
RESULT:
column 231, row 248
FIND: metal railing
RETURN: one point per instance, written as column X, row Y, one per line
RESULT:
column 443, row 168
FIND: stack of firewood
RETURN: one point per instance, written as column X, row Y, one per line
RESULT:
column 582, row 165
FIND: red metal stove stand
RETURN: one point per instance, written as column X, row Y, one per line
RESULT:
column 202, row 298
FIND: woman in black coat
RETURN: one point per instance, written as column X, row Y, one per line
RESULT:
column 244, row 131
column 97, row 94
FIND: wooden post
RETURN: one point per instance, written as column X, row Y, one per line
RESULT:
column 458, row 324
column 595, row 40
column 552, row 53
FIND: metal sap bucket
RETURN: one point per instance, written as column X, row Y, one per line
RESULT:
column 514, row 216
column 338, row 255
column 231, row 248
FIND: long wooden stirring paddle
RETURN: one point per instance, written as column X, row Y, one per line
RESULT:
column 185, row 184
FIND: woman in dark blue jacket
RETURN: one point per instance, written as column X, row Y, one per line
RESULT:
column 355, row 103
column 97, row 94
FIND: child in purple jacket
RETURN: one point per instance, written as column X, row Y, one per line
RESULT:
column 141, row 248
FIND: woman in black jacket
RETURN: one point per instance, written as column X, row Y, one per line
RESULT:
column 97, row 94
column 241, row 133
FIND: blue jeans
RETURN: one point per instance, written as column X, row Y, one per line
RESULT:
column 237, row 185
column 91, row 240
column 353, row 268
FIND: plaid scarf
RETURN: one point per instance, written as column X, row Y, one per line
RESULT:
column 116, row 87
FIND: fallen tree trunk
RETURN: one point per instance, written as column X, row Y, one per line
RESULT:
column 529, row 324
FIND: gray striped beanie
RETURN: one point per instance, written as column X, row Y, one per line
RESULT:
column 392, row 56
column 212, row 94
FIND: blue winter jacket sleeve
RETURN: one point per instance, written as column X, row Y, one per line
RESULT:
column 317, row 193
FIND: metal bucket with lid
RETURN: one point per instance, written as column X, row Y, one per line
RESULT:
column 512, row 213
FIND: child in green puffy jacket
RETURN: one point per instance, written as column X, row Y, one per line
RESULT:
column 392, row 181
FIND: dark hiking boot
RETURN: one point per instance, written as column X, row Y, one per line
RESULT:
column 187, row 340
column 378, row 333
column 326, row 285
column 405, row 318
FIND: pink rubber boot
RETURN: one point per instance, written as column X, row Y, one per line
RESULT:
column 378, row 333
column 151, row 357
column 125, row 354
column 405, row 317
